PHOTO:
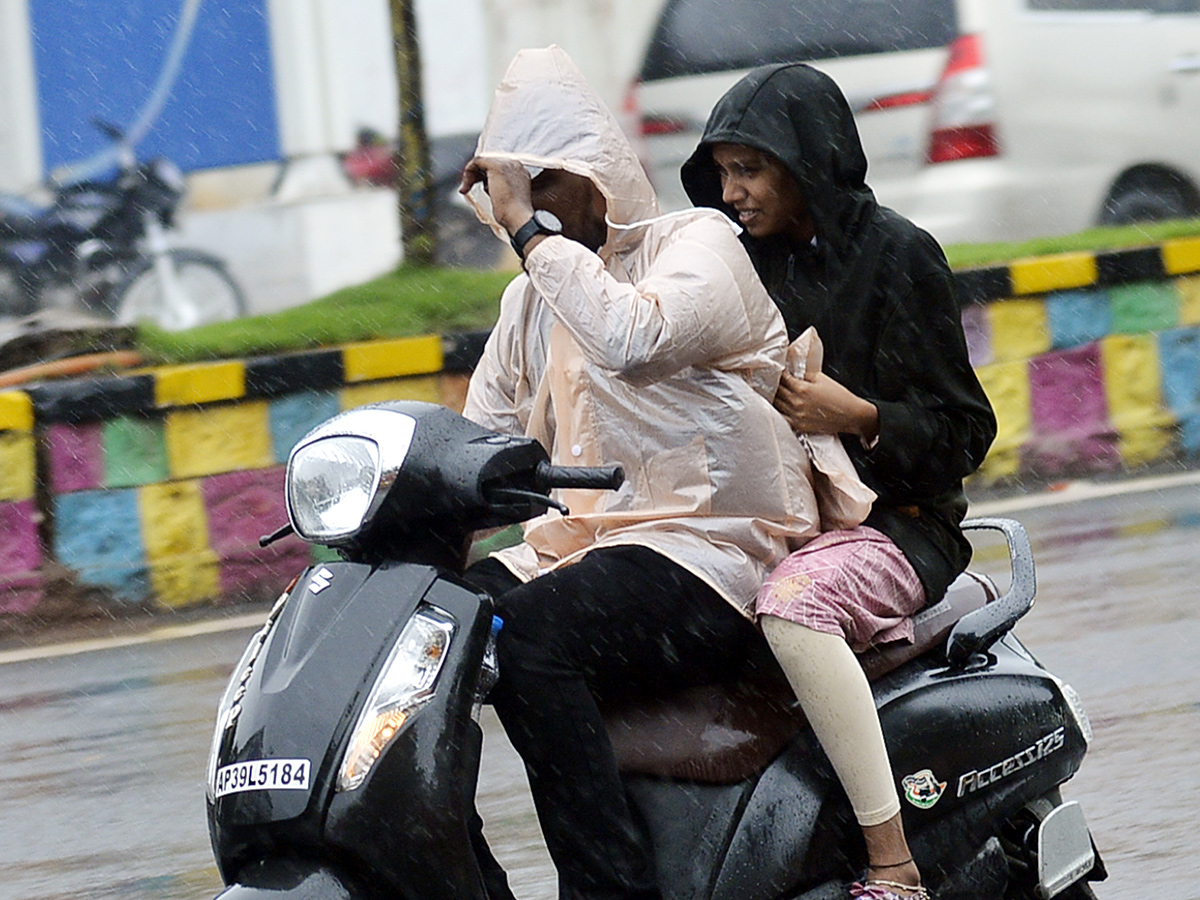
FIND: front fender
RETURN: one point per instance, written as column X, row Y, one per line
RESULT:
column 286, row 879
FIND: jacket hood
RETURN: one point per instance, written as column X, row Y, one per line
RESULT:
column 545, row 115
column 800, row 117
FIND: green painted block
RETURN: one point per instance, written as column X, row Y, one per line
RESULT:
column 135, row 452
column 322, row 554
column 1144, row 308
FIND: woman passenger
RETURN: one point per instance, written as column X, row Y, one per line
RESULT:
column 781, row 156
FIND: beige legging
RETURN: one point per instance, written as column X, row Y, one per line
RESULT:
column 836, row 698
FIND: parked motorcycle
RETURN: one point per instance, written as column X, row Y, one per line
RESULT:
column 102, row 246
column 347, row 744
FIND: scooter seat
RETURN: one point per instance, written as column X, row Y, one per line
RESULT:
column 725, row 733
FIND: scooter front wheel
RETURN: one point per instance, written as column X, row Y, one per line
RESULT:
column 196, row 290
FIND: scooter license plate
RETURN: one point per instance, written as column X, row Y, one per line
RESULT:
column 262, row 775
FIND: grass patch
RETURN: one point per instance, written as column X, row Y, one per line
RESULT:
column 409, row 301
column 965, row 256
column 419, row 301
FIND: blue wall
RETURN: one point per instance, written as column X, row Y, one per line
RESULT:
column 103, row 58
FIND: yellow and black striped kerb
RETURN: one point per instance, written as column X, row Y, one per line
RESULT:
column 1064, row 271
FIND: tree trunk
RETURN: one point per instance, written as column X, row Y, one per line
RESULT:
column 414, row 179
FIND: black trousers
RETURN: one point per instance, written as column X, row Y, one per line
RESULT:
column 623, row 621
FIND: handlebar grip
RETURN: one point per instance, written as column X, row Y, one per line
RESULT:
column 598, row 477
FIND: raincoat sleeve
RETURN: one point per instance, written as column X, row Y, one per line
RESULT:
column 693, row 306
column 935, row 422
column 500, row 395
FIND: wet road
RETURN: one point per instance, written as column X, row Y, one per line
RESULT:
column 102, row 753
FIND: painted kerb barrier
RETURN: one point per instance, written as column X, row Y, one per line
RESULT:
column 151, row 489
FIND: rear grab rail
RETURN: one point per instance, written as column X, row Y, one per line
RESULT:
column 975, row 632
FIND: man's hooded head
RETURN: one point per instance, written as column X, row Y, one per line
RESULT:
column 546, row 116
column 799, row 116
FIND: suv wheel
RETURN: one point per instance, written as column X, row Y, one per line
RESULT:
column 1148, row 200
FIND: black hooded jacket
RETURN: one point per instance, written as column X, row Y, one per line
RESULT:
column 882, row 298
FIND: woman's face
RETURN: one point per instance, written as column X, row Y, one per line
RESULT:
column 763, row 193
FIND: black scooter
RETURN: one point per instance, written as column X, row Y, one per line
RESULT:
column 347, row 745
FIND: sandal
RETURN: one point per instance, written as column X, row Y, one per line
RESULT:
column 879, row 889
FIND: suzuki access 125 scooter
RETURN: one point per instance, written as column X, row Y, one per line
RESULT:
column 347, row 745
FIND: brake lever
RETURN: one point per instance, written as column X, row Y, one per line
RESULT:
column 517, row 495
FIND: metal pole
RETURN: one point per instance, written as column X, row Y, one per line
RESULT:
column 415, row 182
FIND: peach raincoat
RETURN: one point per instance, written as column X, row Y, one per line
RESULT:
column 661, row 353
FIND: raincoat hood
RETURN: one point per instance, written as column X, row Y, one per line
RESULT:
column 545, row 115
column 799, row 116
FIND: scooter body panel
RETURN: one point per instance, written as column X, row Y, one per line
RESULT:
column 968, row 749
column 416, row 804
column 690, row 826
column 977, row 743
column 303, row 694
column 771, row 845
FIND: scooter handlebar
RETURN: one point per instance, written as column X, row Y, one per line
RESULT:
column 607, row 478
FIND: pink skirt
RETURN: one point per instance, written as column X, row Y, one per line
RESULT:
column 855, row 583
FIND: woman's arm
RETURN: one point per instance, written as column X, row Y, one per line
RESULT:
column 821, row 405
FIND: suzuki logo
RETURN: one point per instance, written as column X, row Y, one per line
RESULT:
column 321, row 579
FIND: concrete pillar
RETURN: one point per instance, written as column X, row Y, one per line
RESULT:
column 606, row 38
column 333, row 72
column 20, row 140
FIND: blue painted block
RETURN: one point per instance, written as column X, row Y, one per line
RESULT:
column 1189, row 432
column 1078, row 317
column 295, row 415
column 98, row 534
column 1179, row 352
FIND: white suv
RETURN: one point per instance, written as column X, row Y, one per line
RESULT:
column 981, row 119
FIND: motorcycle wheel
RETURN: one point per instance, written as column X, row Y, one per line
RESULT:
column 209, row 292
column 16, row 297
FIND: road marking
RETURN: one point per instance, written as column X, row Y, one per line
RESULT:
column 1080, row 491
column 153, row 636
column 1074, row 492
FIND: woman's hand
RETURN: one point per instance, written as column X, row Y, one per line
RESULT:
column 824, row 406
column 508, row 186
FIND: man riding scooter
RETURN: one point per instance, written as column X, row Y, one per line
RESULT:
column 641, row 340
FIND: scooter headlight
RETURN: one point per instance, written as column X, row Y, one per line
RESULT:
column 405, row 683
column 331, row 485
column 341, row 471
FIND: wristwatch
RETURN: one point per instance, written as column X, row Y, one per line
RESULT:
column 542, row 222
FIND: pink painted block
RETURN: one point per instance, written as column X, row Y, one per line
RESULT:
column 262, row 574
column 20, row 548
column 1072, row 433
column 241, row 507
column 978, row 332
column 21, row 587
column 20, row 594
column 76, row 457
